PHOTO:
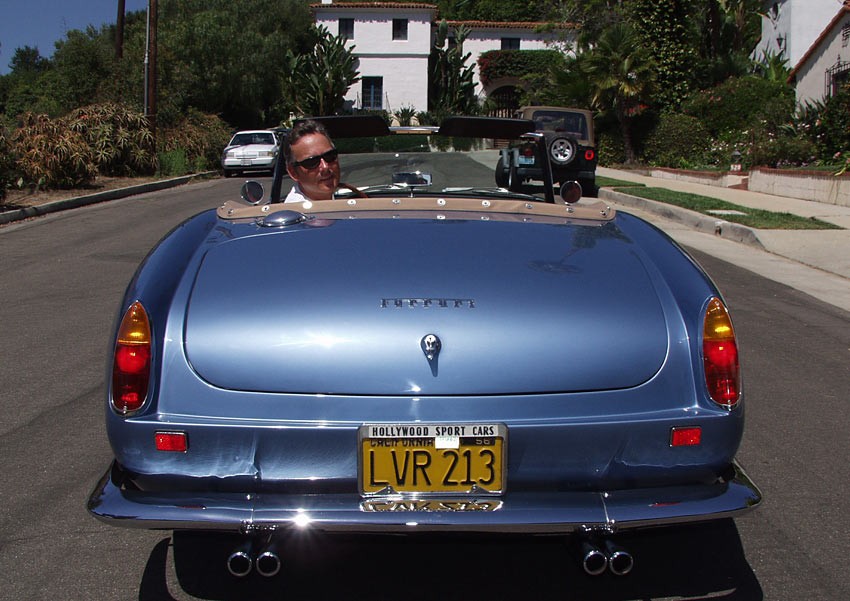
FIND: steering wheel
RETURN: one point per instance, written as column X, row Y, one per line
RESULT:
column 356, row 191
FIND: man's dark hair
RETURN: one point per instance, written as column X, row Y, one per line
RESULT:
column 298, row 131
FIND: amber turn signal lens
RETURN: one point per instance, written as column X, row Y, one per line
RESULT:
column 720, row 356
column 131, row 363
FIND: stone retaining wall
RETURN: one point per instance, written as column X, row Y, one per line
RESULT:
column 808, row 185
column 820, row 186
column 724, row 179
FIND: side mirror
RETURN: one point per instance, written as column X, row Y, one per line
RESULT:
column 571, row 192
column 252, row 192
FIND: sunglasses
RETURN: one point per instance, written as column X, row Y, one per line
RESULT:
column 312, row 162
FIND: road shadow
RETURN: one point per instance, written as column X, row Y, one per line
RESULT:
column 694, row 562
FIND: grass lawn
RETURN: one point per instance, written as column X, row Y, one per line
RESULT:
column 755, row 218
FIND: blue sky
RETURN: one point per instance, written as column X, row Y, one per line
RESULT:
column 40, row 23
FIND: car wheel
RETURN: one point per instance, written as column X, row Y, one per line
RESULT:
column 562, row 151
column 501, row 176
column 228, row 173
column 514, row 181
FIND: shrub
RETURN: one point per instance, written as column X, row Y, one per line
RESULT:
column 173, row 163
column 678, row 140
column 120, row 138
column 827, row 124
column 200, row 136
column 739, row 102
column 610, row 148
column 405, row 115
column 7, row 163
column 52, row 155
column 495, row 64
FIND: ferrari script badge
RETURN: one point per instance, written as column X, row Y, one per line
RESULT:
column 431, row 346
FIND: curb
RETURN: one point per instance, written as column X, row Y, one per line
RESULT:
column 697, row 221
column 79, row 201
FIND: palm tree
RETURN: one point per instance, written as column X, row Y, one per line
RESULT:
column 621, row 76
column 318, row 81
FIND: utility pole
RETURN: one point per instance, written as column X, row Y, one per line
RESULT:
column 150, row 68
column 119, row 31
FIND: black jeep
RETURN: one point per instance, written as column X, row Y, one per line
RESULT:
column 570, row 147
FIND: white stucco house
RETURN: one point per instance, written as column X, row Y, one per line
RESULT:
column 392, row 42
column 790, row 27
column 825, row 65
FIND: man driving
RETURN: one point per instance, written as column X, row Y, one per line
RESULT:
column 312, row 162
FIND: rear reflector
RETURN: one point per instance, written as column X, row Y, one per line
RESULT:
column 685, row 437
column 172, row 441
column 720, row 356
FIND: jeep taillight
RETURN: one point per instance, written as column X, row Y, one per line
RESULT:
column 720, row 356
column 131, row 366
column 589, row 154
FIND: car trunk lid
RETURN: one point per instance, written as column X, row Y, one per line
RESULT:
column 350, row 306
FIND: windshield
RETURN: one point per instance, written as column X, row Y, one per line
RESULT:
column 243, row 139
column 407, row 163
column 561, row 122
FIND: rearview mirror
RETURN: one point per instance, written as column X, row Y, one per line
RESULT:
column 412, row 178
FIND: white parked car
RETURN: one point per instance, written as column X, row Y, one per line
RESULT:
column 253, row 150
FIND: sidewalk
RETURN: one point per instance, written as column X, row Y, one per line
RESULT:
column 814, row 261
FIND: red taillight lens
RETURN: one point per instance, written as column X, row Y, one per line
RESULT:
column 720, row 356
column 131, row 365
column 528, row 151
column 589, row 154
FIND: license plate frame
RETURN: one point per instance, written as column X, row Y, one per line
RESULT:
column 432, row 460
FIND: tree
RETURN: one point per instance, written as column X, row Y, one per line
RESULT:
column 319, row 80
column 228, row 57
column 665, row 29
column 451, row 88
column 622, row 76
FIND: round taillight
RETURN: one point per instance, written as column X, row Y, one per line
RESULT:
column 720, row 356
column 131, row 364
column 589, row 154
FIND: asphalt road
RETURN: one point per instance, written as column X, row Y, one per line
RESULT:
column 61, row 278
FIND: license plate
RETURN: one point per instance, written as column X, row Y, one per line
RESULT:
column 432, row 458
column 246, row 162
column 523, row 160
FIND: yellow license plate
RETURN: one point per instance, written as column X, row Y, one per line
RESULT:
column 432, row 458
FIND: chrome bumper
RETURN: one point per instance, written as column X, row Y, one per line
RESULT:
column 533, row 513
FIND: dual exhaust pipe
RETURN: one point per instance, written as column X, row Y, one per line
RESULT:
column 595, row 559
column 242, row 560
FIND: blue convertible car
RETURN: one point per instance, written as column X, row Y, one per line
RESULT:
column 422, row 355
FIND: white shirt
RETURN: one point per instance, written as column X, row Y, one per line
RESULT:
column 296, row 194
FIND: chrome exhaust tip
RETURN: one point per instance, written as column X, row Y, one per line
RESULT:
column 593, row 560
column 239, row 562
column 268, row 563
column 620, row 561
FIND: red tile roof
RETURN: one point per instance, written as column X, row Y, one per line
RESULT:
column 399, row 5
column 509, row 24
